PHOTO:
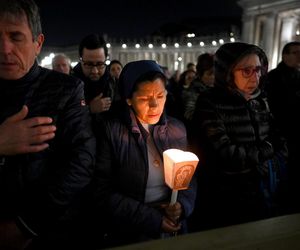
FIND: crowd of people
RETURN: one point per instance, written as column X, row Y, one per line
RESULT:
column 81, row 149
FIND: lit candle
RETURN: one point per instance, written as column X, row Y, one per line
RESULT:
column 179, row 168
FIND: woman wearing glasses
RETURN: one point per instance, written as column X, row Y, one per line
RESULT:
column 237, row 143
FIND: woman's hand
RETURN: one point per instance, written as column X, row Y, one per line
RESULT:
column 173, row 212
column 168, row 226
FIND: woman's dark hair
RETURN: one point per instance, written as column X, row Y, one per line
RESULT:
column 262, row 58
column 228, row 55
column 116, row 62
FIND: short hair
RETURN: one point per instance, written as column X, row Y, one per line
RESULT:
column 286, row 48
column 93, row 41
column 17, row 8
column 190, row 64
column 61, row 55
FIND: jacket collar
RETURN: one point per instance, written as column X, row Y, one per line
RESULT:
column 135, row 125
column 31, row 75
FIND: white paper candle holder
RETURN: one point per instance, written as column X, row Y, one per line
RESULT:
column 179, row 168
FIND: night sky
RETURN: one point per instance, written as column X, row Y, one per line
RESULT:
column 66, row 22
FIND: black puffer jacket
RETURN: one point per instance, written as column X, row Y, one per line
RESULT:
column 39, row 187
column 234, row 138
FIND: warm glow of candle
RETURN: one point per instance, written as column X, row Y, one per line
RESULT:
column 179, row 167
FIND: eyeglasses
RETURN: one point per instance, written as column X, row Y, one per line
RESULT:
column 91, row 65
column 247, row 72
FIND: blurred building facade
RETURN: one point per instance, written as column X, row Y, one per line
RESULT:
column 174, row 53
column 267, row 23
column 270, row 24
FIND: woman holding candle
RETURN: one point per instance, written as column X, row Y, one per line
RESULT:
column 129, row 176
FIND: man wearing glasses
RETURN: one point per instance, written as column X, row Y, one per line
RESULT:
column 284, row 98
column 91, row 69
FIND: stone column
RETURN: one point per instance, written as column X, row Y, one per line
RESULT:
column 269, row 35
column 288, row 28
column 248, row 29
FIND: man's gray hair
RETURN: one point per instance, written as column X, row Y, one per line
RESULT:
column 17, row 8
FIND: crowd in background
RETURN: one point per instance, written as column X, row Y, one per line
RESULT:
column 81, row 149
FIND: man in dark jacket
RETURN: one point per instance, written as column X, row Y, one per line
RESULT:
column 284, row 97
column 46, row 144
column 100, row 90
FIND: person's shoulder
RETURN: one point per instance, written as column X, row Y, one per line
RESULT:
column 60, row 78
column 112, row 127
column 273, row 72
column 176, row 128
column 212, row 93
column 280, row 69
column 172, row 119
column 106, row 78
column 77, row 71
column 104, row 119
column 214, row 97
column 174, row 122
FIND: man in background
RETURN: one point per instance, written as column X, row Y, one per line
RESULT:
column 62, row 63
column 92, row 70
column 283, row 91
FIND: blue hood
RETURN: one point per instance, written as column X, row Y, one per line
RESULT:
column 132, row 72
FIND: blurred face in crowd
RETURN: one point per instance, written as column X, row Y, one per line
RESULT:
column 191, row 67
column 61, row 64
column 148, row 101
column 18, row 49
column 115, row 70
column 93, row 63
column 247, row 73
column 189, row 77
column 208, row 77
column 292, row 59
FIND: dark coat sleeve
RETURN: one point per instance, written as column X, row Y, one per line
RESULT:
column 68, row 162
column 240, row 141
column 211, row 133
column 110, row 201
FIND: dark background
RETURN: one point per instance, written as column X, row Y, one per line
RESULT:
column 66, row 22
